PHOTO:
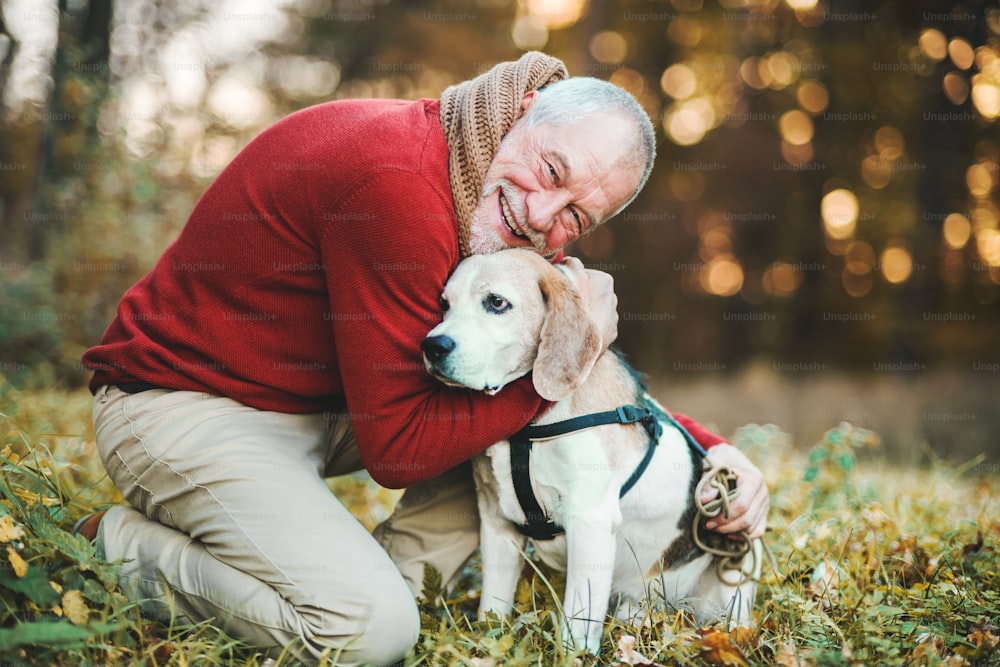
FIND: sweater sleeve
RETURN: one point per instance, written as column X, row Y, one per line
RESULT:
column 702, row 435
column 388, row 254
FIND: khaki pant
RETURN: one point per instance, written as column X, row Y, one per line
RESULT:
column 231, row 520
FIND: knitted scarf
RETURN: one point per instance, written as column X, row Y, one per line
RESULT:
column 476, row 115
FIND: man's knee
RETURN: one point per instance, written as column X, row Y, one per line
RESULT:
column 380, row 631
column 392, row 630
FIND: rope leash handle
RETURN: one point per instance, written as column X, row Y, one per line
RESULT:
column 731, row 553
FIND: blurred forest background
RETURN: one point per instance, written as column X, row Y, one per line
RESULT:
column 819, row 241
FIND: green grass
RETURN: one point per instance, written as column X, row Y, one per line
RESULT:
column 877, row 565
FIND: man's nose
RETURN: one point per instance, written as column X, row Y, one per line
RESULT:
column 544, row 208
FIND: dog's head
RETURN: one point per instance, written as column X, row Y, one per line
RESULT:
column 506, row 314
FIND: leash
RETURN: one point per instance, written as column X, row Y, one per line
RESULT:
column 730, row 553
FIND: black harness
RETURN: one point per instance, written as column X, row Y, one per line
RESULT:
column 540, row 526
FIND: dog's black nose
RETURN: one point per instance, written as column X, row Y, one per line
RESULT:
column 437, row 348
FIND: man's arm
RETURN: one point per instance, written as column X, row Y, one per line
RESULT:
column 386, row 269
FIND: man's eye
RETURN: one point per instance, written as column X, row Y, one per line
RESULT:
column 578, row 219
column 495, row 303
column 552, row 172
column 445, row 305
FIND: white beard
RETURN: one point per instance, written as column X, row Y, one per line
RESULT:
column 484, row 239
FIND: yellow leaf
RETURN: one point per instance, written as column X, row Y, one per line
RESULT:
column 717, row 648
column 56, row 586
column 30, row 497
column 8, row 531
column 16, row 562
column 787, row 655
column 75, row 608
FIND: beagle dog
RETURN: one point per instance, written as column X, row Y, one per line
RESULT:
column 511, row 313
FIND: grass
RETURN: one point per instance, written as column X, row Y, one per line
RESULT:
column 877, row 564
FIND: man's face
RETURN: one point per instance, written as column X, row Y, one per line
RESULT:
column 549, row 184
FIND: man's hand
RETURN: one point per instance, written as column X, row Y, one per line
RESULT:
column 598, row 290
column 748, row 512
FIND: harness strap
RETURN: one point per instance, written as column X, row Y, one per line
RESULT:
column 539, row 526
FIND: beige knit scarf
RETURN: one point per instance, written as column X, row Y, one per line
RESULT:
column 476, row 115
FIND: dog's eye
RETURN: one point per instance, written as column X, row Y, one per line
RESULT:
column 444, row 305
column 495, row 303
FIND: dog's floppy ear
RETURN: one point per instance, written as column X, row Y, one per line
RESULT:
column 569, row 342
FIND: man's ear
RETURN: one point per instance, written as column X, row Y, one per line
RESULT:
column 526, row 101
column 569, row 341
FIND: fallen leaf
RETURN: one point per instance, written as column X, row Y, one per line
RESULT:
column 31, row 497
column 717, row 648
column 8, row 531
column 627, row 655
column 75, row 607
column 18, row 564
column 787, row 655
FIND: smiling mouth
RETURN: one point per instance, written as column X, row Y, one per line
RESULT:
column 508, row 218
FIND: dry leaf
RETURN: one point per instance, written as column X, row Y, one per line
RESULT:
column 8, row 531
column 75, row 607
column 717, row 648
column 31, row 497
column 787, row 655
column 16, row 562
column 627, row 655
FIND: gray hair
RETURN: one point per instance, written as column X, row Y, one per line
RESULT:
column 574, row 99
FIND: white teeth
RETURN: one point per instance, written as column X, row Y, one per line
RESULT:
column 508, row 216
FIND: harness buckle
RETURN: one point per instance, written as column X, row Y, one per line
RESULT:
column 629, row 414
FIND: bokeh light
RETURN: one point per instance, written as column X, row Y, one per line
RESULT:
column 986, row 97
column 812, row 96
column 897, row 264
column 859, row 258
column 988, row 245
column 528, row 32
column 857, row 285
column 608, row 46
column 796, row 127
column 956, row 231
column 679, row 81
column 556, row 14
column 955, row 87
column 839, row 209
column 782, row 279
column 980, row 179
column 961, row 53
column 889, row 143
column 723, row 276
column 685, row 30
column 933, row 44
column 876, row 172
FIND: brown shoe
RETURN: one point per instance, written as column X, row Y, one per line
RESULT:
column 88, row 525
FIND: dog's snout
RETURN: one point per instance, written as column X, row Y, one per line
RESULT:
column 437, row 348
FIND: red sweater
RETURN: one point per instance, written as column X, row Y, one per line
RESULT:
column 308, row 272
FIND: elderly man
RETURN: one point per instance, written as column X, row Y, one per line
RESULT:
column 276, row 343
